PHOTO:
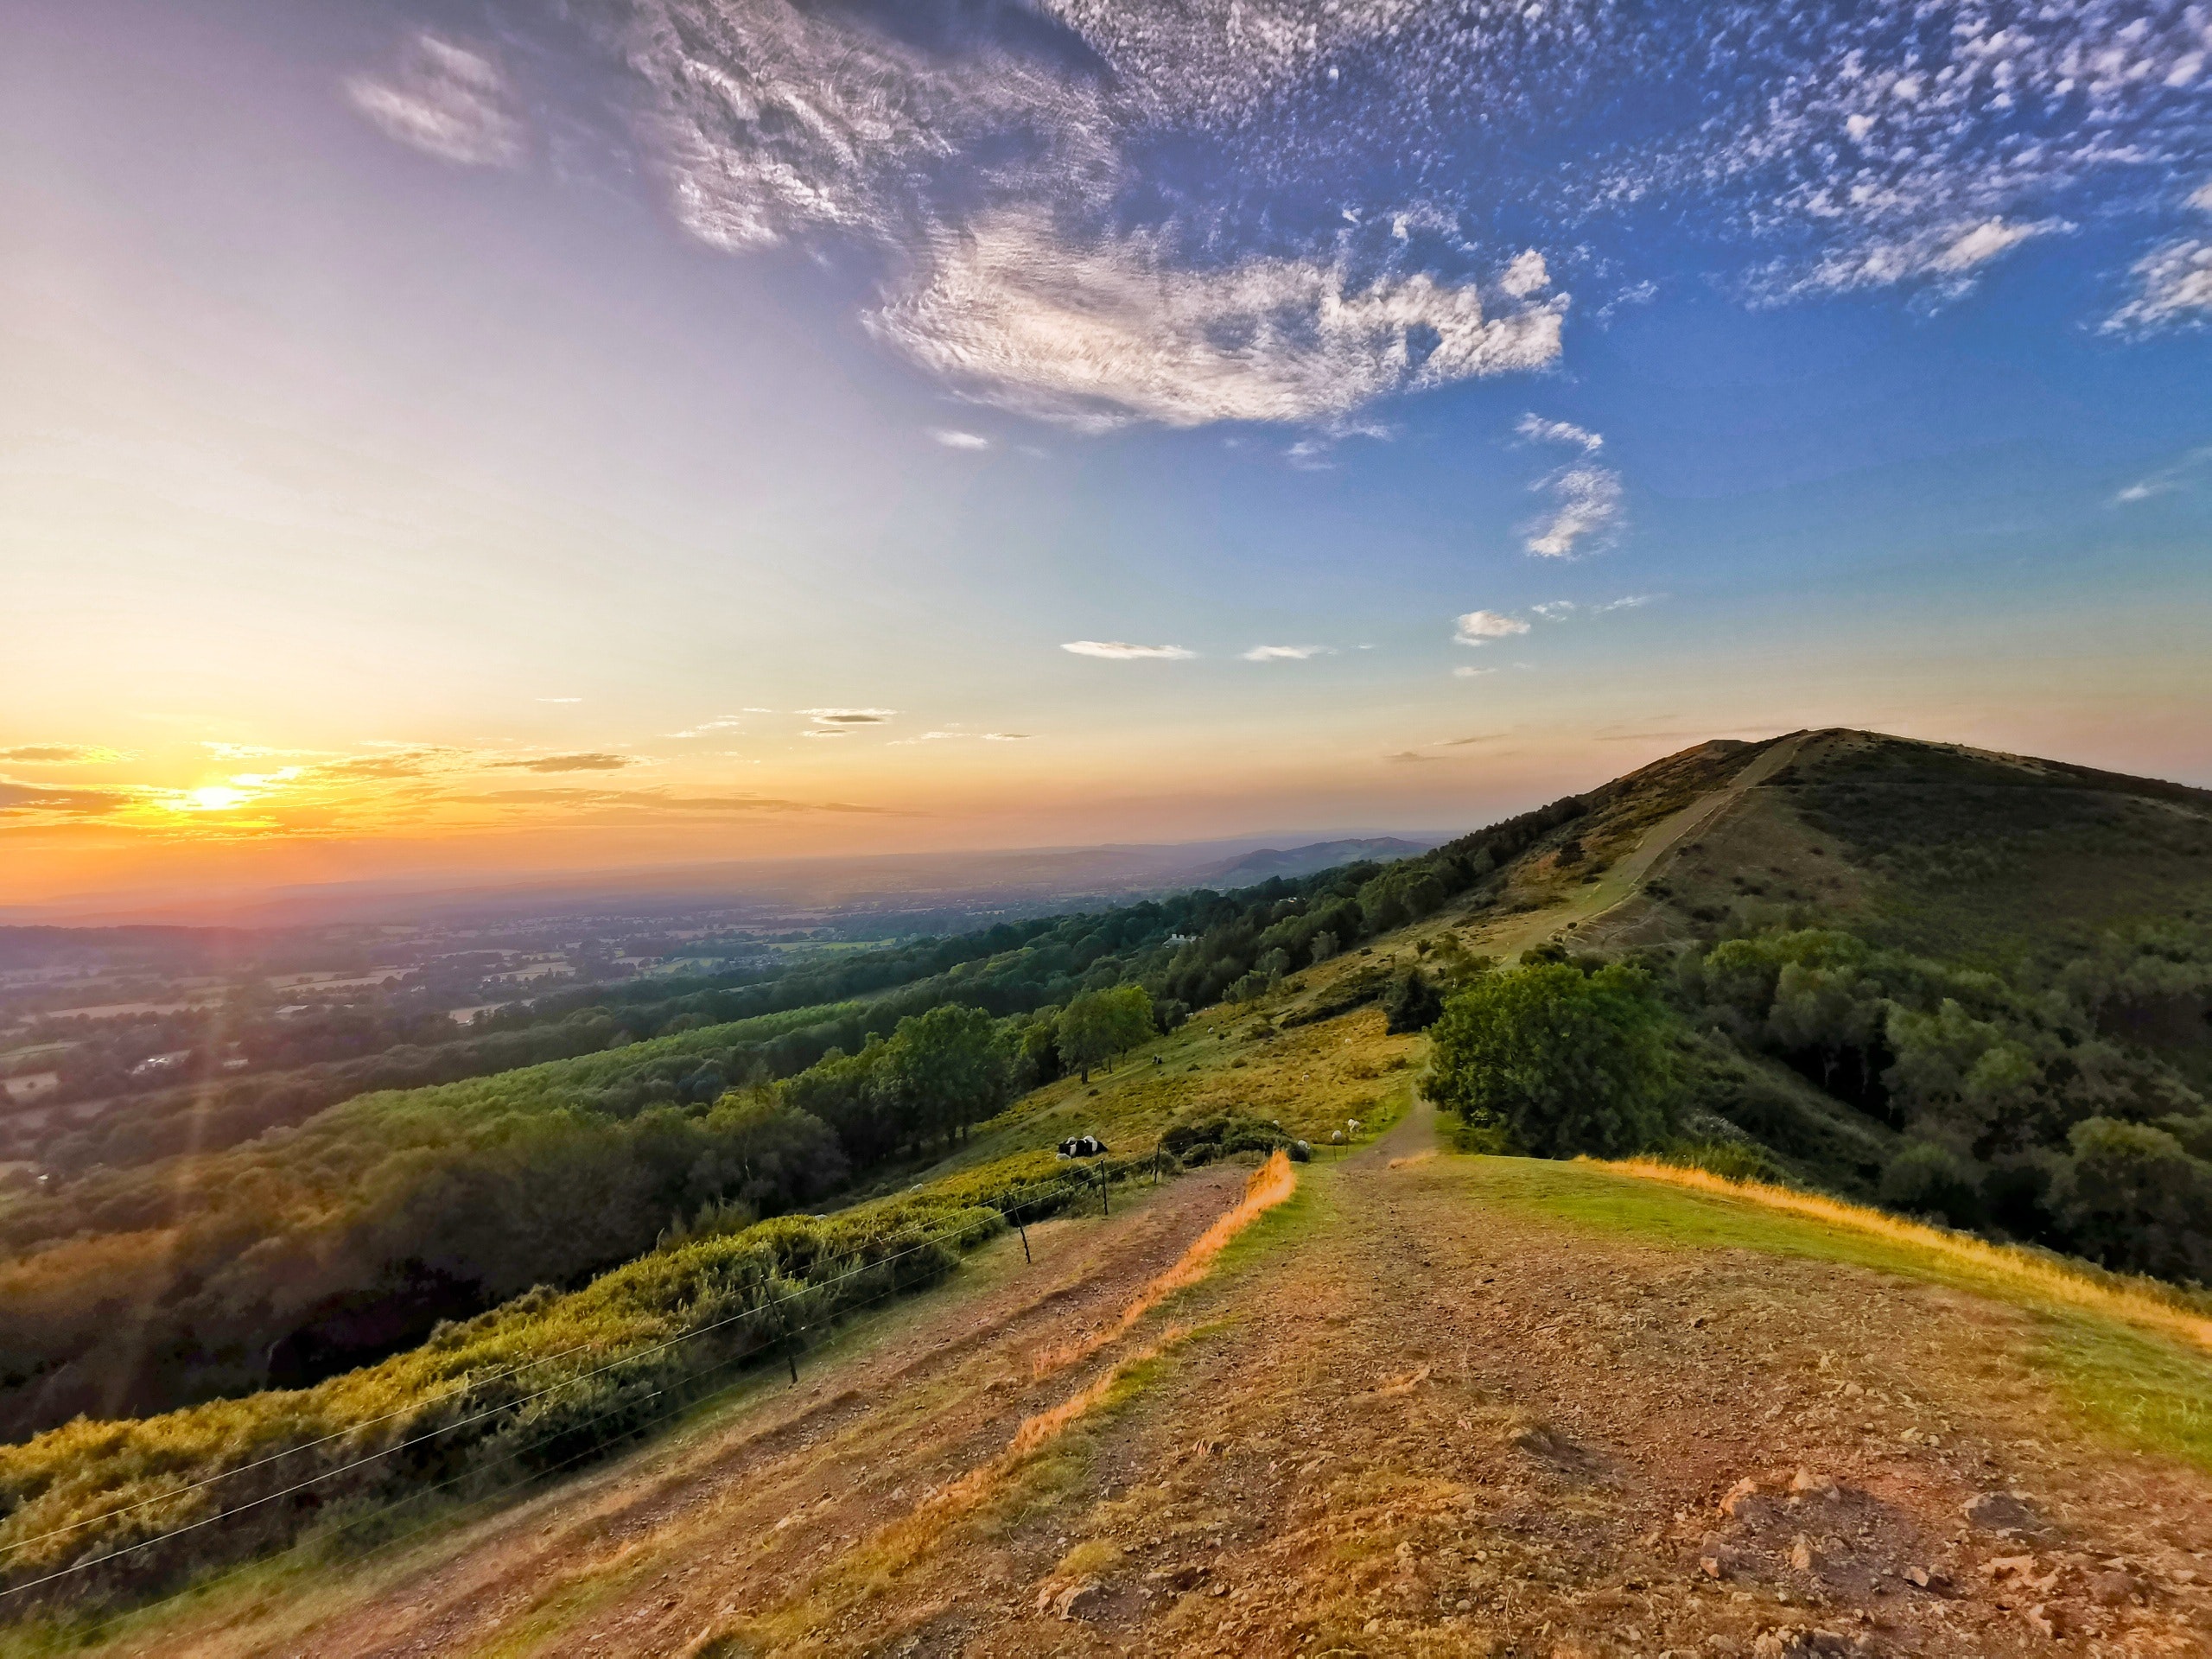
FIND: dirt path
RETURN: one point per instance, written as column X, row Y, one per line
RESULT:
column 1511, row 935
column 1433, row 1424
column 1422, row 1413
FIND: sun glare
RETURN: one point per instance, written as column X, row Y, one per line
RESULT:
column 215, row 798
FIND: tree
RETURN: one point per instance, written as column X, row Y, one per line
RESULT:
column 1410, row 1003
column 1100, row 1025
column 1556, row 1062
column 947, row 1069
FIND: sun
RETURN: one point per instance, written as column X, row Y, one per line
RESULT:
column 214, row 798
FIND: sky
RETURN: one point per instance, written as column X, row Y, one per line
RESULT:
column 452, row 442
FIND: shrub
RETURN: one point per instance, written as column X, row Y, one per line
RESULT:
column 1558, row 1061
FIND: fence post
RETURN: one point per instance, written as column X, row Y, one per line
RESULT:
column 1022, row 1228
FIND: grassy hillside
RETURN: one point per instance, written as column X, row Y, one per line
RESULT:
column 1814, row 1018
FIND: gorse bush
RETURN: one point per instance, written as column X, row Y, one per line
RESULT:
column 1554, row 1062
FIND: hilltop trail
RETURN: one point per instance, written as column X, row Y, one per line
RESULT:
column 1511, row 935
column 1425, row 1414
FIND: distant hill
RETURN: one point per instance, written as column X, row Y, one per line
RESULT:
column 1307, row 861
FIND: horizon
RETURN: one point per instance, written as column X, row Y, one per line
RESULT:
column 449, row 445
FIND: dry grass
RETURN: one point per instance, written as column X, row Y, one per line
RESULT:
column 2009, row 1268
column 1271, row 1184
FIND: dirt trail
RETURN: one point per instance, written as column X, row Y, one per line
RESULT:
column 1511, row 935
column 1423, row 1414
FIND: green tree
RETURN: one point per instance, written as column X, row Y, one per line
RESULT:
column 1410, row 1003
column 1557, row 1062
column 1100, row 1025
column 947, row 1069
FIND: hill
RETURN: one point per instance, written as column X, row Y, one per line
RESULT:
column 1437, row 1401
column 1319, row 856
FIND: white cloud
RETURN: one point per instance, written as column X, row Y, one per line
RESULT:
column 1121, row 650
column 1557, row 610
column 2174, row 289
column 953, row 439
column 1537, row 429
column 1526, row 275
column 1480, row 627
column 1585, row 506
column 1287, row 654
column 2201, row 198
column 446, row 100
column 2165, row 480
column 1096, row 335
column 1951, row 255
column 977, row 737
column 1468, row 671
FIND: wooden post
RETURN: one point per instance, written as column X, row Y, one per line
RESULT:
column 1105, row 1185
column 1020, row 1228
column 791, row 1358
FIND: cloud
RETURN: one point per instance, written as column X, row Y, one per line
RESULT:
column 2165, row 481
column 19, row 799
column 719, row 724
column 1585, row 497
column 1556, row 610
column 1406, row 756
column 1468, row 671
column 1121, row 650
column 1287, row 654
column 1948, row 255
column 651, row 800
column 588, row 762
column 1096, row 335
column 1268, row 210
column 445, row 100
column 2173, row 290
column 841, row 718
column 1585, row 506
column 62, row 754
column 1537, row 429
column 1626, row 602
column 979, row 737
column 1480, row 627
column 1479, row 737
column 952, row 439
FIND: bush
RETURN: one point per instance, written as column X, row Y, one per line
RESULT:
column 1558, row 1062
column 1926, row 1180
column 1410, row 1004
column 1200, row 1141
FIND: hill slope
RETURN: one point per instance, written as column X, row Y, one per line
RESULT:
column 1446, row 1404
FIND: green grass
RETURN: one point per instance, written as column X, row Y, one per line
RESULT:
column 2140, row 1390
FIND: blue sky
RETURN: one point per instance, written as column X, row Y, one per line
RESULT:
column 643, row 388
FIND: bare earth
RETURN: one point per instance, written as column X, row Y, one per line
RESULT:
column 1398, row 1419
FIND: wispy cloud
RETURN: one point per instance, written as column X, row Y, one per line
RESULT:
column 2173, row 286
column 1121, row 650
column 1585, row 497
column 1120, row 329
column 719, row 724
column 1536, row 429
column 1469, row 671
column 2179, row 476
column 1480, row 627
column 952, row 438
column 841, row 719
column 62, row 754
column 446, row 100
column 1287, row 654
column 585, row 762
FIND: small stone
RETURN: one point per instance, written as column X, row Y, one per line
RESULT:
column 1917, row 1575
column 1800, row 1553
column 2112, row 1588
column 1737, row 1498
column 2003, row 1512
column 1806, row 1484
column 1079, row 1601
